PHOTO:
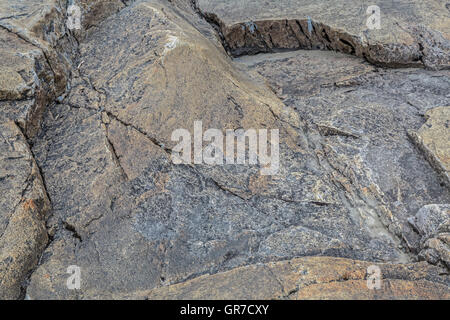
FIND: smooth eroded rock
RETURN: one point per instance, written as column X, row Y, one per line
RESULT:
column 139, row 226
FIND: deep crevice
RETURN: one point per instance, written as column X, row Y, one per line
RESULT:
column 73, row 230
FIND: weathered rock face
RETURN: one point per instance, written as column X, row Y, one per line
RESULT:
column 136, row 223
column 411, row 32
column 433, row 138
column 432, row 222
column 37, row 53
column 24, row 208
column 27, row 82
column 363, row 115
column 94, row 12
column 41, row 24
column 34, row 70
column 311, row 278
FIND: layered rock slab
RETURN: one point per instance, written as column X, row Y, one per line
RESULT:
column 311, row 278
column 24, row 208
column 128, row 217
column 410, row 33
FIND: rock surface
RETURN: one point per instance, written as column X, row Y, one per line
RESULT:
column 363, row 115
column 38, row 51
column 24, row 208
column 433, row 138
column 311, row 278
column 27, row 82
column 433, row 224
column 411, row 32
column 98, row 107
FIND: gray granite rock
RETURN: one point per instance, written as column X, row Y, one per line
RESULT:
column 98, row 107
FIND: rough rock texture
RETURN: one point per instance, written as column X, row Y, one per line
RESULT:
column 311, row 278
column 24, row 207
column 38, row 51
column 363, row 114
column 94, row 12
column 139, row 226
column 42, row 25
column 433, row 138
column 412, row 32
column 37, row 54
column 27, row 82
column 432, row 222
